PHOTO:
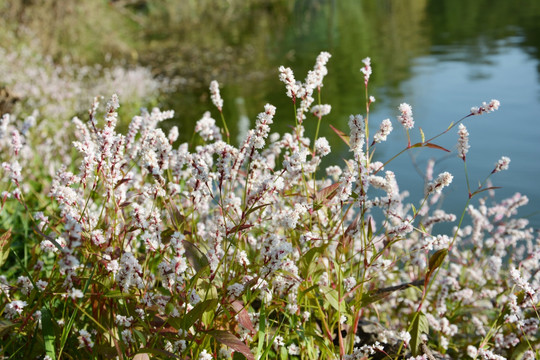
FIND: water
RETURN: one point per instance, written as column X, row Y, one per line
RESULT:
column 442, row 57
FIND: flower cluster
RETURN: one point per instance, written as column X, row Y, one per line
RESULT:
column 463, row 141
column 304, row 91
column 406, row 118
column 366, row 70
column 486, row 107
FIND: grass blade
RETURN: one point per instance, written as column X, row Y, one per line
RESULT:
column 48, row 332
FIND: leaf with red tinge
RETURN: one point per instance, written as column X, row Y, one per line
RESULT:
column 434, row 146
column 125, row 204
column 342, row 135
column 238, row 228
column 486, row 189
column 243, row 317
column 326, row 194
column 346, row 239
column 123, row 181
column 429, row 145
column 256, row 208
column 226, row 338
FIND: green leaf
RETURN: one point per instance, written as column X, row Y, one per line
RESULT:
column 155, row 351
column 51, row 239
column 519, row 351
column 117, row 294
column 5, row 245
column 141, row 337
column 166, row 236
column 371, row 297
column 5, row 325
column 197, row 312
column 261, row 334
column 66, row 330
column 307, row 260
column 195, row 256
column 332, row 296
column 303, row 293
column 256, row 208
column 370, row 229
column 47, row 328
column 283, row 353
column 419, row 326
column 435, row 261
column 226, row 338
column 176, row 217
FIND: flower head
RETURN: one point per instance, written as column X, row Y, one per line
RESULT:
column 85, row 339
column 463, row 141
column 321, row 110
column 384, row 130
column 406, row 118
column 444, row 179
column 366, row 70
column 215, row 95
column 286, row 76
column 486, row 108
column 14, row 308
column 322, row 146
column 356, row 141
column 315, row 76
column 501, row 165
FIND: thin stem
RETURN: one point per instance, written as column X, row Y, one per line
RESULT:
column 225, row 127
